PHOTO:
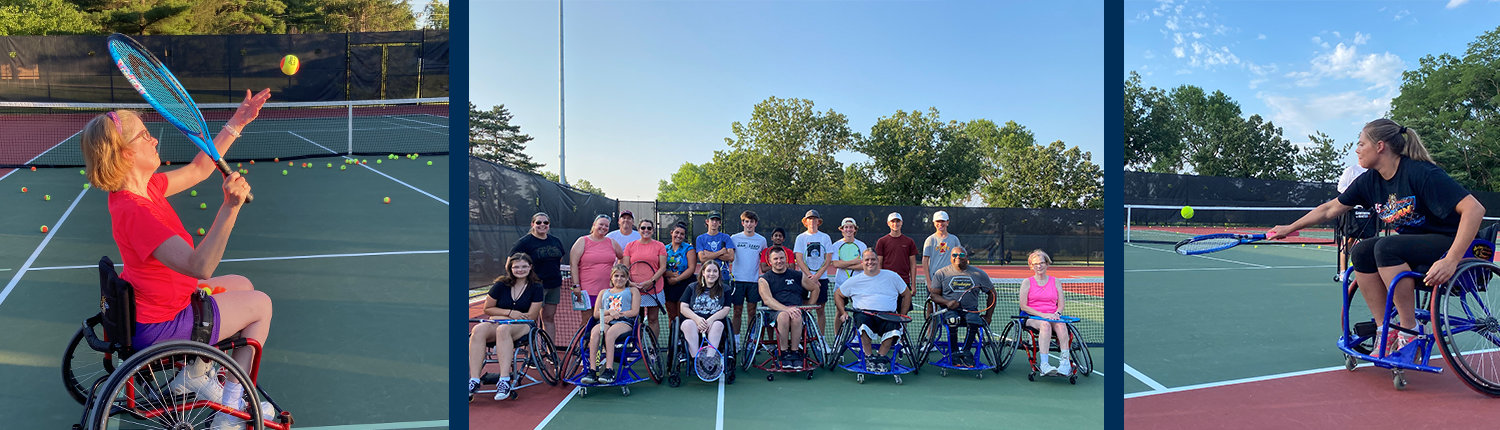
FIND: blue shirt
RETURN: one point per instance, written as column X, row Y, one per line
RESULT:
column 714, row 243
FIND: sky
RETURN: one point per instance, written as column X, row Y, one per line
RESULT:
column 1327, row 66
column 651, row 85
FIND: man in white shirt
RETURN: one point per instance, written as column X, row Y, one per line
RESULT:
column 627, row 232
column 873, row 289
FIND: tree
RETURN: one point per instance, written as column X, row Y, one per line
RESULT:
column 784, row 155
column 1454, row 105
column 148, row 17
column 43, row 17
column 691, row 183
column 1220, row 143
column 1020, row 173
column 916, row 160
column 585, row 186
column 436, row 15
column 1153, row 141
column 1321, row 163
column 492, row 137
column 338, row 16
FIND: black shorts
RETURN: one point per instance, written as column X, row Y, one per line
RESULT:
column 1411, row 249
column 1358, row 223
column 877, row 329
column 675, row 291
column 822, row 291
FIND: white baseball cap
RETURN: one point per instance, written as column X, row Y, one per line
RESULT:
column 893, row 216
column 940, row 216
column 848, row 221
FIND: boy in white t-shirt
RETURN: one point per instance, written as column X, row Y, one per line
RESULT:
column 745, row 274
column 812, row 247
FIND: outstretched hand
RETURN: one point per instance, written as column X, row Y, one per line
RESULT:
column 250, row 108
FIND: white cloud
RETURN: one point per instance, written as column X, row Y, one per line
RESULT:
column 1303, row 116
column 1380, row 70
column 1456, row 3
column 1316, row 40
column 1336, row 34
column 1183, row 72
column 1260, row 37
column 1177, row 51
column 1361, row 38
column 1197, row 35
column 1325, row 45
column 1402, row 14
column 1172, row 24
column 1149, row 54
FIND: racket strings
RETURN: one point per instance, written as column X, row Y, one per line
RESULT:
column 158, row 86
column 1205, row 244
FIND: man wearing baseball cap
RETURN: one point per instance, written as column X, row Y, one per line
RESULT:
column 845, row 258
column 935, row 249
column 627, row 232
column 811, row 248
column 898, row 253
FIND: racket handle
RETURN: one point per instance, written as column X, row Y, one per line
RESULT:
column 224, row 168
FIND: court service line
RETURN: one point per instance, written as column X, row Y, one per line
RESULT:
column 1325, row 266
column 372, row 169
column 32, row 259
column 719, row 419
column 1155, row 386
column 1199, row 256
column 558, row 408
column 1165, row 390
column 444, row 132
column 289, row 257
column 418, row 122
column 384, row 426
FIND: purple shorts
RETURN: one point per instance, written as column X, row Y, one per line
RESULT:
column 180, row 327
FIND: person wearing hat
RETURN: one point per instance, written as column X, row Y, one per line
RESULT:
column 627, row 232
column 811, row 247
column 935, row 249
column 746, row 268
column 898, row 253
column 845, row 267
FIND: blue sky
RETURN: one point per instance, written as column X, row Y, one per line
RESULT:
column 1327, row 66
column 653, row 84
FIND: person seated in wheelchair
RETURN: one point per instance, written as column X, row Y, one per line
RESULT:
column 517, row 294
column 161, row 263
column 704, row 307
column 782, row 290
column 1042, row 296
column 1436, row 220
column 616, row 310
column 954, row 289
column 878, row 290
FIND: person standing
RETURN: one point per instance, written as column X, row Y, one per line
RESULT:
column 935, row 249
column 714, row 247
column 845, row 268
column 898, row 253
column 746, row 272
column 812, row 247
column 546, row 250
column 1354, row 225
column 627, row 232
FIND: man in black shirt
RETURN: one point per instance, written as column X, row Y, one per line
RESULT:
column 782, row 289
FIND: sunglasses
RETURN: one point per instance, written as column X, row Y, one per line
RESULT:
column 647, row 228
column 543, row 222
column 960, row 255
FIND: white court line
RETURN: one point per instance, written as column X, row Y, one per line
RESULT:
column 1096, row 372
column 558, row 408
column 372, row 169
column 1325, row 266
column 444, row 132
column 1157, row 389
column 24, row 267
column 1199, row 256
column 1155, row 386
column 383, row 426
column 290, row 257
column 418, row 122
column 719, row 419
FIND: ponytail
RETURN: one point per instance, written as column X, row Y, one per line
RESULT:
column 1403, row 141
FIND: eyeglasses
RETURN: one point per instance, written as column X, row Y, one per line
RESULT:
column 647, row 228
column 960, row 255
column 543, row 222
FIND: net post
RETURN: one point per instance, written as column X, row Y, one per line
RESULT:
column 351, row 129
column 1127, row 224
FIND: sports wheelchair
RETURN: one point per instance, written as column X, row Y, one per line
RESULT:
column 1021, row 336
column 543, row 358
column 1460, row 318
column 638, row 345
column 941, row 328
column 762, row 337
column 120, row 386
column 849, row 340
column 708, row 371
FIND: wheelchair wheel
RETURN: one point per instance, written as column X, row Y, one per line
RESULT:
column 137, row 396
column 675, row 354
column 575, row 362
column 545, row 359
column 1010, row 339
column 846, row 334
column 646, row 344
column 911, row 358
column 1368, row 346
column 1079, row 350
column 83, row 367
column 752, row 343
column 923, row 351
column 1464, row 316
column 991, row 348
column 814, row 333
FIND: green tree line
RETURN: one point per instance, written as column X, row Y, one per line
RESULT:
column 180, row 17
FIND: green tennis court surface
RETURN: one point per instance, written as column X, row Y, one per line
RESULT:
column 359, row 286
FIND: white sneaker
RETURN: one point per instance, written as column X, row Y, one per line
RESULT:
column 223, row 421
column 196, row 378
column 1065, row 368
column 1046, row 368
column 502, row 390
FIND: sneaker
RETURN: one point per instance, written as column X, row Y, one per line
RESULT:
column 784, row 358
column 223, row 421
column 607, row 377
column 883, row 364
column 1065, row 368
column 871, row 365
column 590, row 377
column 1338, row 277
column 1046, row 368
column 502, row 390
column 195, row 378
column 799, row 359
column 473, row 387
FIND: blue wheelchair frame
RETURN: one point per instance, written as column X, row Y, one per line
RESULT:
column 848, row 340
column 944, row 339
column 629, row 351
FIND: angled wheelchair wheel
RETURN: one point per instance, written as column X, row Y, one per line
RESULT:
column 1079, row 352
column 1464, row 314
column 675, row 354
column 545, row 358
column 846, row 334
column 813, row 332
column 1008, row 343
column 137, row 396
column 83, row 367
column 575, row 361
column 646, row 344
column 928, row 342
column 752, row 343
column 909, row 352
column 1355, row 327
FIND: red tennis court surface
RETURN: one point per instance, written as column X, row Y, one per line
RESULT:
column 1363, row 399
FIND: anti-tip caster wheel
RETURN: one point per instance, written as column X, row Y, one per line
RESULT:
column 943, row 372
column 1031, row 376
column 1398, row 379
column 859, row 377
column 1073, row 380
column 809, row 375
column 1350, row 363
column 771, row 377
column 979, row 375
column 583, row 391
column 898, row 379
column 674, row 381
column 625, row 391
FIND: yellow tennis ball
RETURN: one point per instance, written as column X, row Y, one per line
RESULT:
column 343, row 167
column 283, row 173
column 1187, row 212
column 200, row 233
column 289, row 64
column 203, row 206
column 194, row 193
column 47, row 197
column 387, row 200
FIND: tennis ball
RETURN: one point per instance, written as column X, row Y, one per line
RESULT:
column 429, row 163
column 283, row 173
column 289, row 164
column 239, row 165
column 387, row 200
column 82, row 172
column 200, row 231
column 289, row 64
column 203, row 206
column 206, row 290
column 194, row 193
column 343, row 167
column 377, row 161
column 33, row 168
column 364, row 161
column 1187, row 212
column 85, row 185
column 276, row 160
column 44, row 229
column 23, row 189
column 169, row 163
column 252, row 162
column 47, row 197
column 330, row 165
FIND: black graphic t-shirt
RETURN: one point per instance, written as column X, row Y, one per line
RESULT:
column 786, row 288
column 1419, row 199
column 546, row 257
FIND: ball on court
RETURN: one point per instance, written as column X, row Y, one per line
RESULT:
column 23, row 189
column 44, row 229
column 252, row 162
column 289, row 164
column 283, row 173
column 289, row 64
column 1187, row 212
column 429, row 163
column 378, row 161
column 169, row 163
column 82, row 172
column 239, row 165
column 276, row 160
column 85, row 185
column 387, row 200
column 33, row 168
column 194, row 193
column 203, row 206
column 47, row 197
column 343, row 167
column 330, row 165
column 200, row 233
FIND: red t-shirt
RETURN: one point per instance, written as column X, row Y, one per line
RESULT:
column 141, row 225
column 896, row 253
column 791, row 257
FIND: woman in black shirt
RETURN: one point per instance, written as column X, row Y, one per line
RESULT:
column 547, row 251
column 516, row 295
column 1435, row 216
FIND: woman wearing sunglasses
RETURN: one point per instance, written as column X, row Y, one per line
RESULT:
column 547, row 251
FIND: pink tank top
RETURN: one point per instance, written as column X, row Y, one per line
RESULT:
column 597, row 259
column 1042, row 298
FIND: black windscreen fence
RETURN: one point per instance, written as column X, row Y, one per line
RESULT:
column 1144, row 188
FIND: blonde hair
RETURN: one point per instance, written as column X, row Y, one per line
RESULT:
column 1035, row 252
column 103, row 151
column 1402, row 140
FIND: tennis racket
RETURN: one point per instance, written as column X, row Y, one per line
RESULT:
column 641, row 272
column 162, row 91
column 848, row 251
column 1217, row 242
column 710, row 363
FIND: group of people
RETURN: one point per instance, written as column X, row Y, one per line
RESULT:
column 709, row 281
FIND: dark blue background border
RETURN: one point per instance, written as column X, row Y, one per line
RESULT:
column 458, row 212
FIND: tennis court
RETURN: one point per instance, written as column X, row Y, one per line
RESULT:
column 359, row 286
column 834, row 399
column 1245, row 338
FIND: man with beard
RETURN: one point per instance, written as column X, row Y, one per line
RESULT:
column 956, row 309
column 873, row 289
column 782, row 290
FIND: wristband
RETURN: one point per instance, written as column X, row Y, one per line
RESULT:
column 231, row 130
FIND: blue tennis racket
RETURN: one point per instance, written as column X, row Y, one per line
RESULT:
column 1217, row 242
column 162, row 91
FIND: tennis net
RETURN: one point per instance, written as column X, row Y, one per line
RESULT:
column 47, row 134
column 1170, row 224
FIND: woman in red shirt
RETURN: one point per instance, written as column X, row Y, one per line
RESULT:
column 160, row 260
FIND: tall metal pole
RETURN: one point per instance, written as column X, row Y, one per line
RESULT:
column 562, row 157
